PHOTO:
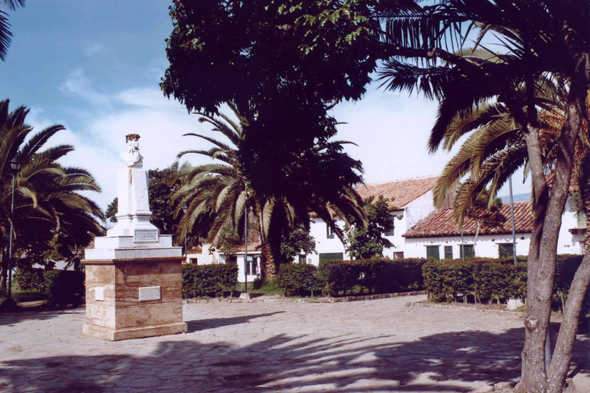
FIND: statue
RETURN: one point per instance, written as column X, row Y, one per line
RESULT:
column 132, row 156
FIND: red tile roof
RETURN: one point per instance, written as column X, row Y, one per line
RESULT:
column 442, row 223
column 402, row 191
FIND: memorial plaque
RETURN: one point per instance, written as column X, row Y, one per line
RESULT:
column 146, row 235
column 149, row 293
column 99, row 293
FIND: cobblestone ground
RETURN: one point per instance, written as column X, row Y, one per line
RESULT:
column 368, row 346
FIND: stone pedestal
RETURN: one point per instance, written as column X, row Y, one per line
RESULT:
column 133, row 292
column 133, row 298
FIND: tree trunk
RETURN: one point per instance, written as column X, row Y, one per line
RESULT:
column 3, row 272
column 542, row 257
column 270, row 262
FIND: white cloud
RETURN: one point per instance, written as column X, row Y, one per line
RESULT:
column 94, row 49
column 79, row 85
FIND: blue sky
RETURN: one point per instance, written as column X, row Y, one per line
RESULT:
column 94, row 66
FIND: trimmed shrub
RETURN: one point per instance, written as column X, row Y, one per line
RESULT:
column 64, row 286
column 208, row 280
column 489, row 280
column 371, row 275
column 296, row 278
column 61, row 286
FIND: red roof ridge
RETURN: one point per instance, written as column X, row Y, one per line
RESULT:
column 398, row 180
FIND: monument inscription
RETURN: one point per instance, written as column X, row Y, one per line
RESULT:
column 146, row 235
column 149, row 293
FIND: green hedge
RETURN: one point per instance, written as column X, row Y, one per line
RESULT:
column 208, row 280
column 487, row 279
column 371, row 275
column 297, row 278
column 61, row 286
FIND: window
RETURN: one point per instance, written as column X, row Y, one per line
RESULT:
column 302, row 259
column 392, row 231
column 468, row 250
column 329, row 232
column 581, row 220
column 505, row 250
column 398, row 255
column 433, row 252
column 448, row 252
column 195, row 261
column 333, row 255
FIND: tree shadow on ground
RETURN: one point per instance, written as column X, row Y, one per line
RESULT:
column 203, row 324
column 446, row 362
column 42, row 313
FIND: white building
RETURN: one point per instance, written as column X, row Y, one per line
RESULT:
column 421, row 231
column 412, row 199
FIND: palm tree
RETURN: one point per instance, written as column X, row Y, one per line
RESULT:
column 540, row 37
column 5, row 34
column 496, row 148
column 215, row 196
column 47, row 202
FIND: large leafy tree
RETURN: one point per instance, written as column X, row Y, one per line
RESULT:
column 284, row 64
column 49, row 211
column 217, row 195
column 539, row 37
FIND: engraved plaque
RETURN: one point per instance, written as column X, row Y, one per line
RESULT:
column 99, row 293
column 146, row 235
column 149, row 293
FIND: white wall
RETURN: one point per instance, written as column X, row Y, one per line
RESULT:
column 569, row 243
column 251, row 277
column 487, row 245
column 203, row 257
column 418, row 209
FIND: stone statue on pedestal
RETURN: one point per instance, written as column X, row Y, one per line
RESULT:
column 133, row 274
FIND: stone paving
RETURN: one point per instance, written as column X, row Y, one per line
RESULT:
column 366, row 346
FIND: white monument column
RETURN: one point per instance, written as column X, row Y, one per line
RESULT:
column 133, row 274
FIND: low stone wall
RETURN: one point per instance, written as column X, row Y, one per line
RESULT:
column 281, row 299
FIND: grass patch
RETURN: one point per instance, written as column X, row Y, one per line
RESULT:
column 23, row 296
column 269, row 288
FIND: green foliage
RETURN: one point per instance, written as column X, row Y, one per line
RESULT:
column 112, row 208
column 296, row 278
column 369, row 243
column 223, row 51
column 296, row 241
column 208, row 280
column 29, row 279
column 374, row 275
column 488, row 279
column 62, row 287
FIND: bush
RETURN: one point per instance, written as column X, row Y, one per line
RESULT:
column 61, row 286
column 488, row 279
column 371, row 275
column 64, row 286
column 31, row 280
column 208, row 280
column 257, row 283
column 296, row 278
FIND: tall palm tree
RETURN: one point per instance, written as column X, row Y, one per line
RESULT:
column 540, row 37
column 495, row 148
column 5, row 34
column 215, row 196
column 47, row 203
